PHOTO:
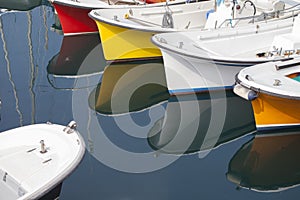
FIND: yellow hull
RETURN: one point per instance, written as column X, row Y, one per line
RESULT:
column 271, row 111
column 121, row 43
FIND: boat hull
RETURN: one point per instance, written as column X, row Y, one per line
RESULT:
column 200, row 61
column 272, row 112
column 126, row 33
column 187, row 75
column 120, row 43
column 39, row 159
column 75, row 20
column 73, row 15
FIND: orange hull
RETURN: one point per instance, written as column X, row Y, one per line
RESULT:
column 271, row 111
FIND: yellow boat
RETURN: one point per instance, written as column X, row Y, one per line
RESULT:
column 274, row 90
column 122, row 43
column 126, row 32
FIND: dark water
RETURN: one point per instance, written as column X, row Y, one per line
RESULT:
column 140, row 143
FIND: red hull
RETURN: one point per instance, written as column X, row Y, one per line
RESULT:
column 75, row 20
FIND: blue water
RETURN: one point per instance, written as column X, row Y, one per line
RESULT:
column 140, row 142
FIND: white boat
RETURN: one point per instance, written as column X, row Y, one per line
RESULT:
column 35, row 159
column 197, row 61
column 273, row 89
column 126, row 32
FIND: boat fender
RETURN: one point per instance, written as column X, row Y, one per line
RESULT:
column 245, row 93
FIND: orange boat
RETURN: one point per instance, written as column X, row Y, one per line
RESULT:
column 274, row 91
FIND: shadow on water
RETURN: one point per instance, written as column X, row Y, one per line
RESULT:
column 267, row 163
column 134, row 99
column 78, row 64
column 172, row 133
column 138, row 140
column 129, row 87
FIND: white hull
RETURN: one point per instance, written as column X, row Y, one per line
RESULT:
column 29, row 169
column 200, row 61
column 187, row 75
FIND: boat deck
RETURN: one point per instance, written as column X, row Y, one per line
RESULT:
column 275, row 78
column 15, row 176
column 6, row 192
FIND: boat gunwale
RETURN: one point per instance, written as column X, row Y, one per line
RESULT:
column 95, row 14
column 259, row 90
column 105, row 5
column 121, row 25
column 75, row 4
column 215, row 58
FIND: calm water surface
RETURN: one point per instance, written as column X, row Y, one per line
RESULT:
column 140, row 143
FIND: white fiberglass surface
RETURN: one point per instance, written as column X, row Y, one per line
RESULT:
column 269, row 74
column 184, row 16
column 240, row 43
column 21, row 157
column 242, row 46
column 9, row 188
column 31, row 135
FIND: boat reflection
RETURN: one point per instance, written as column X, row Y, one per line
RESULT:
column 130, row 87
column 158, row 132
column 78, row 63
column 20, row 5
column 267, row 163
column 190, row 124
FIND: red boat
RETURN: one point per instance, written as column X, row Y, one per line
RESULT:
column 73, row 14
